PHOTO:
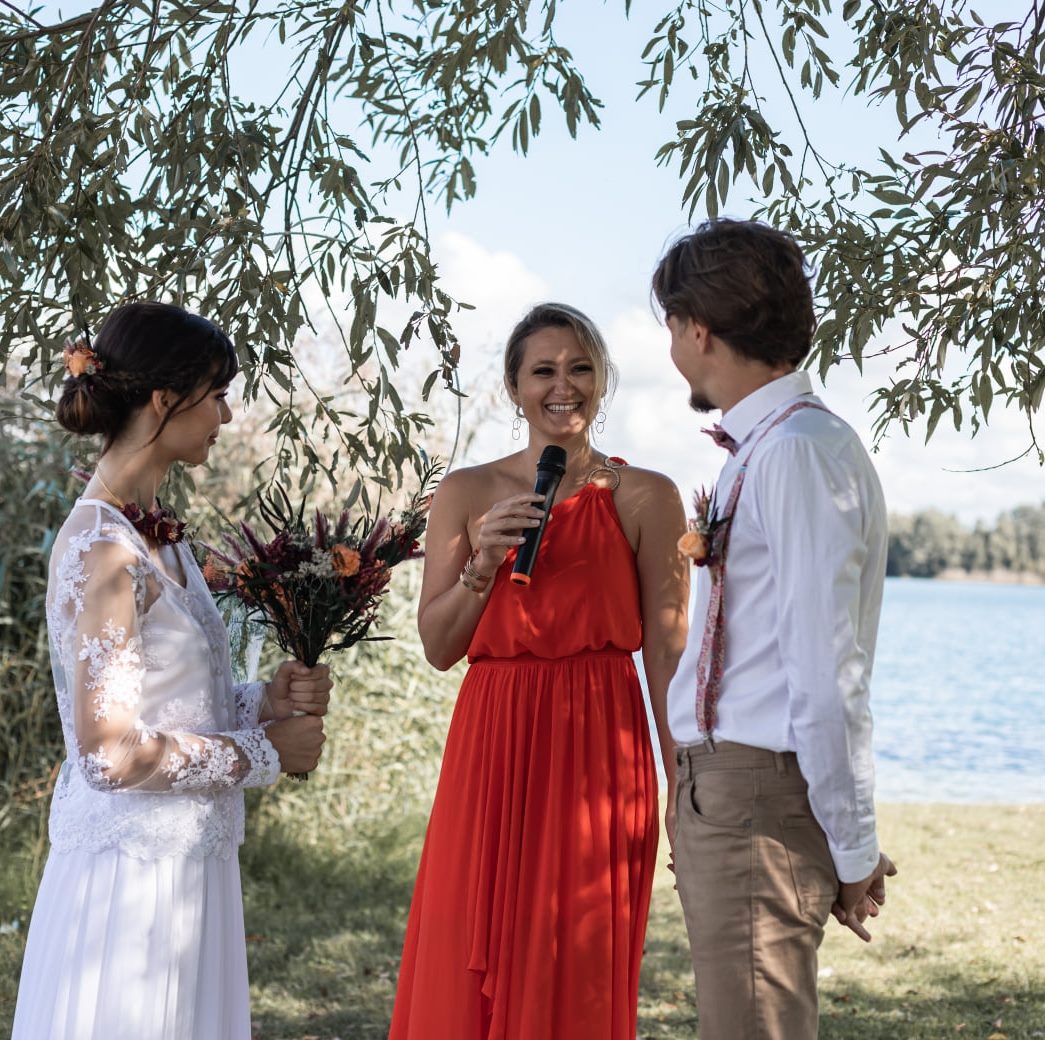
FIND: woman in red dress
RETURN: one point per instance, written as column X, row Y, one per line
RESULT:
column 529, row 911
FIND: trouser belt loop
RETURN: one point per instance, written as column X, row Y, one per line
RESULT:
column 684, row 769
column 780, row 762
column 709, row 744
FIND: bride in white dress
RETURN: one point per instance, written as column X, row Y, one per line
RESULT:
column 137, row 931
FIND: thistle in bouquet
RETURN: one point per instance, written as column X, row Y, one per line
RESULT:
column 702, row 542
column 317, row 584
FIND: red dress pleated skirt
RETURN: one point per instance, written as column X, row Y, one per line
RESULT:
column 529, row 911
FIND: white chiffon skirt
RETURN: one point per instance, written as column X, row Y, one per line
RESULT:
column 120, row 947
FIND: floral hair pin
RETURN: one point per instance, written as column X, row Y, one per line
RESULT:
column 702, row 540
column 80, row 359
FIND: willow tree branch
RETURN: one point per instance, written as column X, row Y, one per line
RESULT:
column 45, row 30
column 23, row 14
column 414, row 142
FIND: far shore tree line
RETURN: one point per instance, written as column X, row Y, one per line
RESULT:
column 931, row 544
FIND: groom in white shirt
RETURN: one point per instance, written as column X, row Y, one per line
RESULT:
column 775, row 825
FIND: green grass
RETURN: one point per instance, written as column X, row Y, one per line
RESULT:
column 957, row 952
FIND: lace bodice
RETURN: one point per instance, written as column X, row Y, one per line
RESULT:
column 159, row 740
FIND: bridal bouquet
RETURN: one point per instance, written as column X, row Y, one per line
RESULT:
column 317, row 585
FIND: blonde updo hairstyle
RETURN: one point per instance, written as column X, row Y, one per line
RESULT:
column 142, row 347
column 562, row 316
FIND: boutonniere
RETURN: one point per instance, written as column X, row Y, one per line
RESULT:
column 703, row 539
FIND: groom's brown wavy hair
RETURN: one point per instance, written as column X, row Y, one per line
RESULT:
column 747, row 282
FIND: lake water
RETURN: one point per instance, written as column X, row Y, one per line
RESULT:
column 958, row 693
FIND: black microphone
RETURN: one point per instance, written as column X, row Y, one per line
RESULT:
column 550, row 468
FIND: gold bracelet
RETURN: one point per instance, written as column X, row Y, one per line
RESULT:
column 468, row 584
column 471, row 578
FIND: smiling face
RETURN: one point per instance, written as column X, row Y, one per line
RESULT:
column 556, row 384
column 192, row 431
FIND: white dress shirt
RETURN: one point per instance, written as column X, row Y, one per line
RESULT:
column 803, row 592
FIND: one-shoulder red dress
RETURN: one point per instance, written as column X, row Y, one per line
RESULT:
column 529, row 911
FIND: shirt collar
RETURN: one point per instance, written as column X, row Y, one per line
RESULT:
column 749, row 411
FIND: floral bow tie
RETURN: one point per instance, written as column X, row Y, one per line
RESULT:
column 721, row 438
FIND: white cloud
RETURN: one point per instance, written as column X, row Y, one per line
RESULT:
column 501, row 288
column 496, row 282
column 916, row 475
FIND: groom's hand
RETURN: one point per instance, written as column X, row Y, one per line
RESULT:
column 670, row 824
column 858, row 900
column 298, row 689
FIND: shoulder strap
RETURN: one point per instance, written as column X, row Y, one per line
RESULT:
column 785, row 414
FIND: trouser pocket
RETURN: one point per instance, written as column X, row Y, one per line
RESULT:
column 812, row 870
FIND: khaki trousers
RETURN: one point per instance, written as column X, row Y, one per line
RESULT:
column 757, row 882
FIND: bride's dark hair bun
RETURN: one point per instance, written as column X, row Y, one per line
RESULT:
column 142, row 347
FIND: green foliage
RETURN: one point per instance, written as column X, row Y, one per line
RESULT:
column 930, row 542
column 37, row 491
column 920, row 255
column 388, row 718
column 130, row 167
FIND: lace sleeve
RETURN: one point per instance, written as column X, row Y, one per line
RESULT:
column 250, row 697
column 117, row 749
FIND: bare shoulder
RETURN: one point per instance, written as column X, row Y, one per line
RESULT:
column 461, row 481
column 648, row 504
column 468, row 489
column 640, row 486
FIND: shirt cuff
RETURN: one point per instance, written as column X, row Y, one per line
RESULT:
column 855, row 864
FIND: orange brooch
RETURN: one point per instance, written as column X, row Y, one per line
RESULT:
column 694, row 545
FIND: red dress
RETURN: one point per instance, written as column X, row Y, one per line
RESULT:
column 529, row 911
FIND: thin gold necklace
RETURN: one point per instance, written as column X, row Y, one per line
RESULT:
column 109, row 491
column 159, row 525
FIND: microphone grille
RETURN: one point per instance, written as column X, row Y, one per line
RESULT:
column 553, row 457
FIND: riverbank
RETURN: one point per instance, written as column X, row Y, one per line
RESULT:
column 998, row 576
column 957, row 952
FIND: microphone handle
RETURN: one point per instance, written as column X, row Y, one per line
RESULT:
column 547, row 484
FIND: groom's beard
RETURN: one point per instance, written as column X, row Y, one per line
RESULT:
column 699, row 403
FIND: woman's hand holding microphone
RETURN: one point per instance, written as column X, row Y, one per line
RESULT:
column 503, row 528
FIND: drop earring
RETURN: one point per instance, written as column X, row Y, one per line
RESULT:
column 517, row 424
column 600, row 422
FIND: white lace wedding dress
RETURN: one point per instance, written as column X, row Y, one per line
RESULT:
column 137, row 931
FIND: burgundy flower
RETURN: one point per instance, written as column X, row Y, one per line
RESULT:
column 159, row 525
